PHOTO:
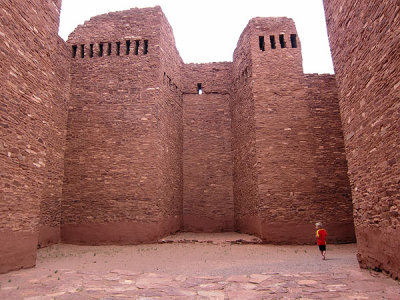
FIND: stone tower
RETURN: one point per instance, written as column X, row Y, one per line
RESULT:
column 289, row 164
column 123, row 169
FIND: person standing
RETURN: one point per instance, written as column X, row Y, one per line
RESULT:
column 321, row 239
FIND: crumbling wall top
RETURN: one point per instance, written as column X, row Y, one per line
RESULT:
column 132, row 23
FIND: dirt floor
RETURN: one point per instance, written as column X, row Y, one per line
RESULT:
column 198, row 259
column 197, row 266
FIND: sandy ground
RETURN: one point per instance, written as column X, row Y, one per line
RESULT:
column 197, row 266
column 198, row 258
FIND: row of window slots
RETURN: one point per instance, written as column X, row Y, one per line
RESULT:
column 101, row 48
column 282, row 42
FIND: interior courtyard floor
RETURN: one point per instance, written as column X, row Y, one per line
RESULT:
column 197, row 266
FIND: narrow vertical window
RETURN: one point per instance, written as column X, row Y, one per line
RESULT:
column 282, row 41
column 91, row 50
column 82, row 51
column 293, row 40
column 128, row 47
column 118, row 48
column 137, row 43
column 74, row 50
column 109, row 49
column 272, row 40
column 146, row 47
column 199, row 89
column 261, row 43
column 101, row 48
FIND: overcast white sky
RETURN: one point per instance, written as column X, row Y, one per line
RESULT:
column 208, row 30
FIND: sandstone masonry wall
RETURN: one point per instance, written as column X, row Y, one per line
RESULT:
column 364, row 38
column 114, row 189
column 207, row 161
column 106, row 139
column 245, row 187
column 50, row 206
column 301, row 176
column 170, row 125
column 332, row 194
column 32, row 126
column 284, row 182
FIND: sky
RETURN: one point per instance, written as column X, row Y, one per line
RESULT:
column 208, row 30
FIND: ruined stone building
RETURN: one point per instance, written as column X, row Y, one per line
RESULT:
column 111, row 138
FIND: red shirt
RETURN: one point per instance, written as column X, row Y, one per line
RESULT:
column 321, row 234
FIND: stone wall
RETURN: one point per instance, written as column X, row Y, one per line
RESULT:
column 297, row 146
column 50, row 206
column 207, row 159
column 364, row 38
column 331, row 196
column 170, row 126
column 115, row 190
column 106, row 139
column 245, row 186
column 32, row 124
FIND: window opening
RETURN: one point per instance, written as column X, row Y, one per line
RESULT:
column 101, row 46
column 109, row 49
column 146, row 47
column 128, row 47
column 137, row 43
column 245, row 72
column 82, row 51
column 74, row 50
column 262, row 43
column 91, row 50
column 272, row 40
column 282, row 41
column 293, row 40
column 199, row 89
column 118, row 48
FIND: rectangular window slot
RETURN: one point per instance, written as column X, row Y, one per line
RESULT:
column 91, row 50
column 261, row 42
column 82, row 51
column 137, row 44
column 118, row 48
column 199, row 89
column 282, row 41
column 74, row 50
column 101, row 48
column 109, row 49
column 128, row 47
column 146, row 47
column 293, row 40
column 272, row 40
